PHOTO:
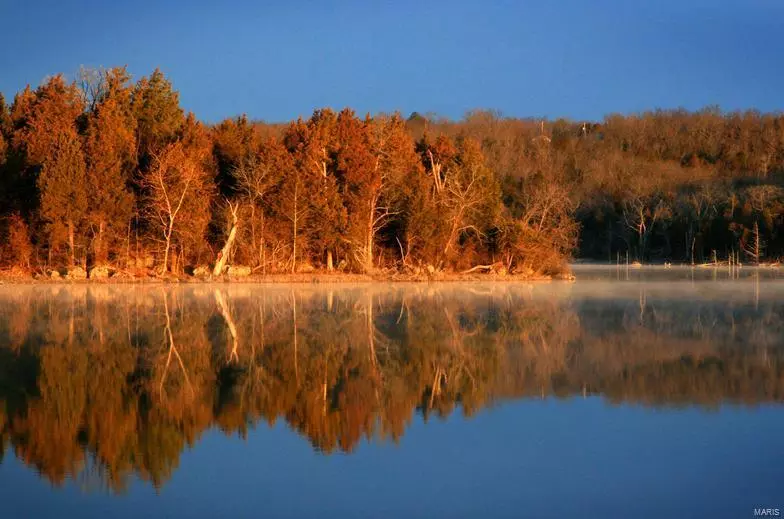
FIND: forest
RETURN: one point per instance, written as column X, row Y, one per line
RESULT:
column 100, row 384
column 110, row 174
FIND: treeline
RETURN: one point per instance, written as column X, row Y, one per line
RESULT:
column 116, row 383
column 109, row 171
column 104, row 170
column 664, row 185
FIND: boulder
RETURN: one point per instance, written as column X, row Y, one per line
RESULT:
column 100, row 272
column 201, row 271
column 76, row 273
column 239, row 271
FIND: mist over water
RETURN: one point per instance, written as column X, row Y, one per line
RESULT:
column 648, row 392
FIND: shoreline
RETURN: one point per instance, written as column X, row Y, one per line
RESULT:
column 297, row 278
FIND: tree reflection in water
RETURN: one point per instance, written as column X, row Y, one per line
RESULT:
column 99, row 383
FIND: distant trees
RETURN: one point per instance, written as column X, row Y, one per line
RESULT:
column 88, row 167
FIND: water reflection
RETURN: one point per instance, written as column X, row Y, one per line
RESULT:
column 101, row 383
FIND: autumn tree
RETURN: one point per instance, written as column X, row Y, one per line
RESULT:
column 463, row 198
column 19, row 248
column 159, row 118
column 64, row 201
column 176, row 187
column 37, row 120
column 258, row 180
column 358, row 170
column 110, row 151
column 397, row 168
column 40, row 117
column 425, row 225
column 309, row 196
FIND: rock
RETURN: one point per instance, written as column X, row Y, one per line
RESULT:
column 76, row 273
column 54, row 275
column 239, row 271
column 201, row 271
column 306, row 268
column 100, row 272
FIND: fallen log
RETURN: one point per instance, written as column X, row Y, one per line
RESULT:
column 482, row 267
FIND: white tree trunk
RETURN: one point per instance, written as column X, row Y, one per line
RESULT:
column 220, row 264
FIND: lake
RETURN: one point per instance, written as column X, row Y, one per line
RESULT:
column 645, row 392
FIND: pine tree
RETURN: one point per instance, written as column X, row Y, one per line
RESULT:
column 159, row 118
column 110, row 150
column 64, row 198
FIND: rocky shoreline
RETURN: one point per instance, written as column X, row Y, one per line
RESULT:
column 241, row 274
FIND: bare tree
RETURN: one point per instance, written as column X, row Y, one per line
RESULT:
column 255, row 178
column 753, row 248
column 175, row 181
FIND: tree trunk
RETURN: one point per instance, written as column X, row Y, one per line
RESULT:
column 166, row 251
column 263, row 248
column 330, row 266
column 369, row 241
column 71, row 243
column 370, row 236
column 224, row 253
column 294, row 224
column 757, row 247
column 128, row 245
column 99, row 250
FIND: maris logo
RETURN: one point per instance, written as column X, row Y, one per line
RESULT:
column 767, row 512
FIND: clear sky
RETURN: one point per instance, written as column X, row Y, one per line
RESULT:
column 277, row 60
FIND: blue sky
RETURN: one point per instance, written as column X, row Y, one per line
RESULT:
column 277, row 60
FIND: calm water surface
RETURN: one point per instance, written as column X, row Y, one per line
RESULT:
column 630, row 393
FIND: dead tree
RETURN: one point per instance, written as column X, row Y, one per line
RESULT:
column 223, row 255
column 174, row 180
